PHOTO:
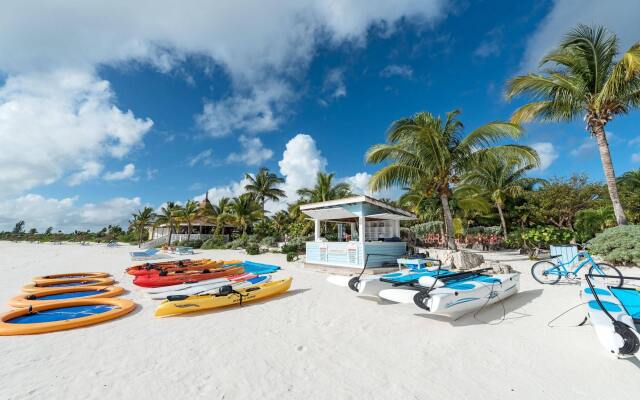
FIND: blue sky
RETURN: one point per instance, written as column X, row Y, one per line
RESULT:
column 102, row 115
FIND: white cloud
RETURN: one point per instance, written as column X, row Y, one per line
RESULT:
column 547, row 152
column 232, row 189
column 65, row 214
column 590, row 144
column 89, row 170
column 635, row 157
column 404, row 71
column 334, row 84
column 279, row 37
column 634, row 141
column 301, row 162
column 58, row 122
column 205, row 157
column 621, row 18
column 490, row 45
column 126, row 173
column 360, row 185
column 253, row 151
column 256, row 111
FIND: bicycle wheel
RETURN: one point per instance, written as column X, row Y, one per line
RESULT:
column 545, row 272
column 614, row 276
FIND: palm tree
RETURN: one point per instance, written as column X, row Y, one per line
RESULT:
column 427, row 151
column 167, row 217
column 281, row 220
column 220, row 213
column 188, row 214
column 263, row 187
column 141, row 220
column 582, row 78
column 325, row 190
column 631, row 179
column 501, row 178
column 245, row 210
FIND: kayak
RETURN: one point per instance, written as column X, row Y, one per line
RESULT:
column 224, row 297
column 255, row 268
column 213, row 287
column 456, row 296
column 177, row 266
column 61, row 315
column 71, row 275
column 193, row 268
column 33, row 287
column 54, row 295
column 183, row 286
column 197, row 287
column 612, row 312
column 175, row 279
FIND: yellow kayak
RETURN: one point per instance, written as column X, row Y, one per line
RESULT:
column 187, row 304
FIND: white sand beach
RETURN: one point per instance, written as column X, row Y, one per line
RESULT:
column 318, row 341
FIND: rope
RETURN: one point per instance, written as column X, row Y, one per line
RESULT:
column 565, row 312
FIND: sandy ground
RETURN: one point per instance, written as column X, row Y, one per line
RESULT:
column 318, row 341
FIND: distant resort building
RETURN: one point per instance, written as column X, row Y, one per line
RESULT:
column 201, row 228
column 368, row 233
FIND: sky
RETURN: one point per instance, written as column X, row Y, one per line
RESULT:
column 107, row 107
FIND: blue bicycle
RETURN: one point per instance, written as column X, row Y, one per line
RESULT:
column 549, row 273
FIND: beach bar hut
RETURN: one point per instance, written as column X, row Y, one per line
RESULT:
column 368, row 232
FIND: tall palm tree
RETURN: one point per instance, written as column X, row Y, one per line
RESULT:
column 263, row 187
column 167, row 216
column 324, row 189
column 245, row 210
column 220, row 214
column 433, row 153
column 501, row 178
column 141, row 220
column 582, row 79
column 188, row 214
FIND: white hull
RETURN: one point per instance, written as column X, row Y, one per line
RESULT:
column 601, row 323
column 462, row 297
column 187, row 286
column 213, row 288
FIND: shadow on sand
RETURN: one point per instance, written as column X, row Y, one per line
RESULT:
column 494, row 313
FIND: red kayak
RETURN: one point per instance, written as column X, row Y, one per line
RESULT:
column 157, row 280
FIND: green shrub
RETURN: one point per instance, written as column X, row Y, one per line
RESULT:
column 292, row 257
column 620, row 244
column 196, row 244
column 427, row 227
column 269, row 241
column 216, row 242
column 252, row 248
column 590, row 222
column 543, row 236
column 295, row 245
column 239, row 243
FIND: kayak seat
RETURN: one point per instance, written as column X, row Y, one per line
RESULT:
column 630, row 299
column 598, row 291
column 609, row 306
column 460, row 286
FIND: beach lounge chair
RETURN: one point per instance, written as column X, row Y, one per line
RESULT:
column 182, row 250
column 147, row 254
column 565, row 255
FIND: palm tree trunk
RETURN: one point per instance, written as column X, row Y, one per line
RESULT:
column 448, row 220
column 502, row 221
column 170, row 232
column 607, row 165
column 188, row 231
